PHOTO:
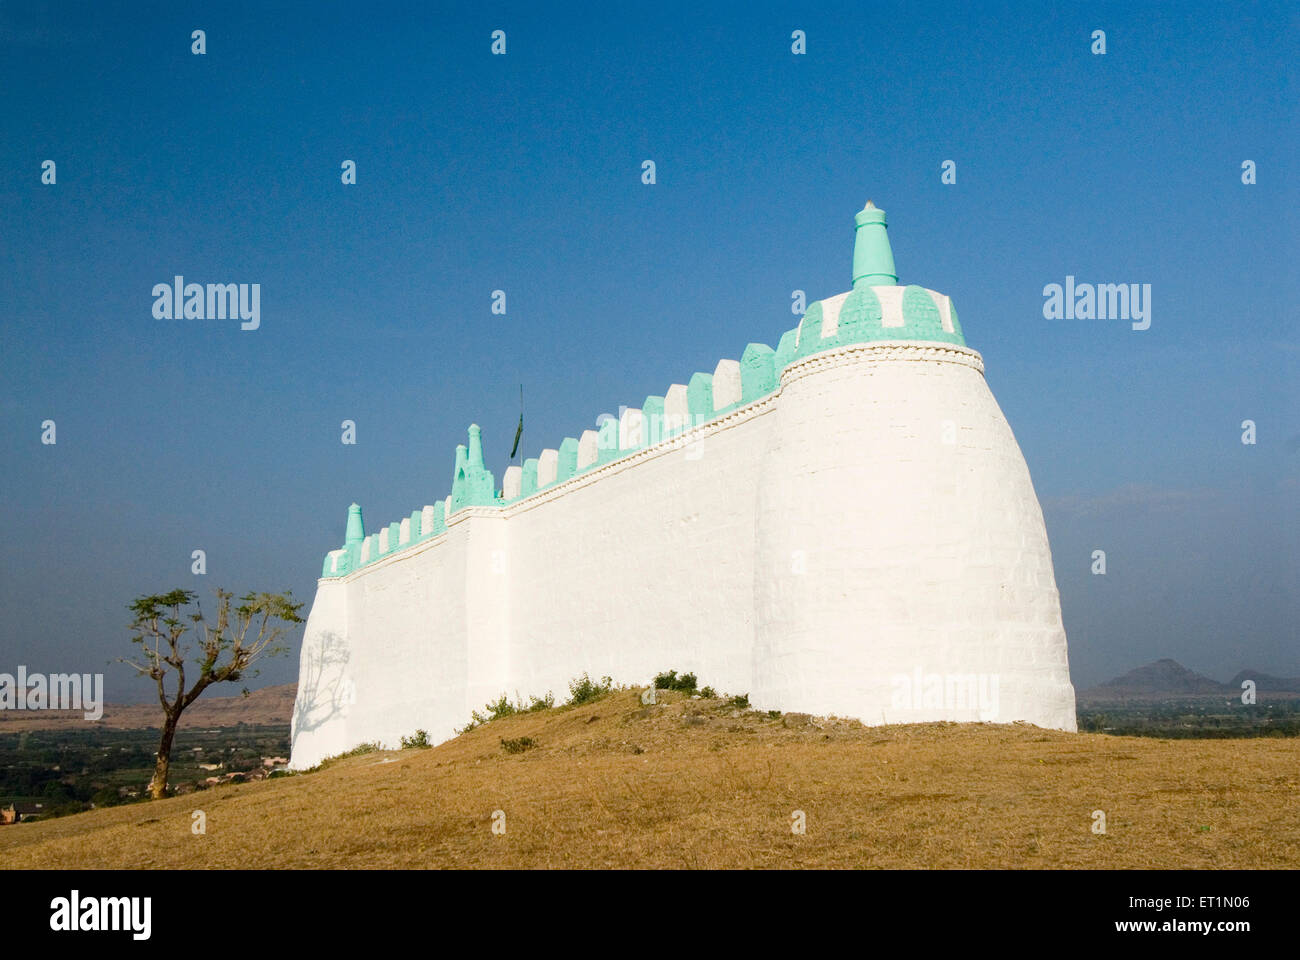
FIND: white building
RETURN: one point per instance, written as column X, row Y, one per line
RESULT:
column 844, row 525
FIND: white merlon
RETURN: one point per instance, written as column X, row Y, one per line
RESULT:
column 630, row 429
column 726, row 384
column 831, row 307
column 383, row 540
column 677, row 411
column 891, row 305
column 944, row 304
column 404, row 531
column 426, row 520
column 513, row 482
column 547, row 466
column 588, row 448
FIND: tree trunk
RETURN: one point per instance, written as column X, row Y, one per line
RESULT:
column 158, row 785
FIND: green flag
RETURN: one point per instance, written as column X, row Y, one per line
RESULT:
column 519, row 432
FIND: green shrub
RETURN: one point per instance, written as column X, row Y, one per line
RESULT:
column 502, row 707
column 541, row 703
column 670, row 681
column 740, row 702
column 518, row 744
column 356, row 751
column 497, row 709
column 585, row 690
column 419, row 741
column 708, row 693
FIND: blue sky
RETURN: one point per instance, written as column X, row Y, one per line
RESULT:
column 523, row 173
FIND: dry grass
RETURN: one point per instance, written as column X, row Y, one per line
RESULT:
column 687, row 784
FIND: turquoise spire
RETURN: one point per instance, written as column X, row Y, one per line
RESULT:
column 475, row 446
column 356, row 530
column 472, row 484
column 873, row 261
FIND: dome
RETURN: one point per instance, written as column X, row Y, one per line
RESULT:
column 877, row 308
column 869, row 314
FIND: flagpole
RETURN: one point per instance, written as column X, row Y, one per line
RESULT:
column 519, row 430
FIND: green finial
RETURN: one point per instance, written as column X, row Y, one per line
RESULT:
column 356, row 530
column 873, row 261
column 475, row 446
column 472, row 484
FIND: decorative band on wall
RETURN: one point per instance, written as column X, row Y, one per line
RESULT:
column 881, row 351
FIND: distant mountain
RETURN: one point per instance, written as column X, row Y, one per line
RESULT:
column 267, row 705
column 1164, row 678
column 1266, row 683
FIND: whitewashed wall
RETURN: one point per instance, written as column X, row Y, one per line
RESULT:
column 809, row 549
column 903, row 538
column 645, row 568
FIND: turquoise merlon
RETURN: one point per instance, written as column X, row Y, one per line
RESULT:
column 757, row 372
column 567, row 464
column 810, row 331
column 699, row 398
column 652, row 421
column 785, row 351
column 860, row 321
column 607, row 440
column 860, row 318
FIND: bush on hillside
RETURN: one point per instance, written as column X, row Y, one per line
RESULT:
column 541, row 703
column 670, row 681
column 584, row 689
column 419, row 741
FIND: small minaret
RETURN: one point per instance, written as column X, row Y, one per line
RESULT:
column 471, row 484
column 475, row 446
column 873, row 261
column 356, row 530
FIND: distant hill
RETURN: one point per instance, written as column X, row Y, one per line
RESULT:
column 267, row 705
column 1163, row 678
column 1266, row 683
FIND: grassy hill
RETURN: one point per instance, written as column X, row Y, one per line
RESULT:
column 698, row 783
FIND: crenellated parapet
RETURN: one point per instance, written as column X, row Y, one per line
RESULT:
column 876, row 310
